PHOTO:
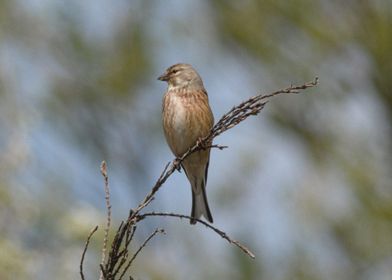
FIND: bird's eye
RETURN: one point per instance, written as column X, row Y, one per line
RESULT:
column 174, row 71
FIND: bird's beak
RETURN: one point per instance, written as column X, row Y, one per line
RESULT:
column 164, row 77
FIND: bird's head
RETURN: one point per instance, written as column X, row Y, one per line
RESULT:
column 181, row 75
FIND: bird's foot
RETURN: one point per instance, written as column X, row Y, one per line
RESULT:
column 177, row 164
column 201, row 144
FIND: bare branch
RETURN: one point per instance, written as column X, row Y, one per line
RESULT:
column 162, row 179
column 85, row 250
column 251, row 107
column 119, row 254
column 124, row 253
column 109, row 216
column 139, row 250
column 218, row 231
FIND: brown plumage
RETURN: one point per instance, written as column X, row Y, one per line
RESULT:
column 187, row 117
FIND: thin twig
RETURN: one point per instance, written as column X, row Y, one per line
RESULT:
column 85, row 250
column 118, row 257
column 141, row 248
column 124, row 253
column 218, row 231
column 103, row 273
column 220, row 147
column 109, row 216
column 162, row 178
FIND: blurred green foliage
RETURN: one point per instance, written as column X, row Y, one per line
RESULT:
column 91, row 84
column 328, row 30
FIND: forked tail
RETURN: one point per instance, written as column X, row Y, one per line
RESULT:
column 200, row 206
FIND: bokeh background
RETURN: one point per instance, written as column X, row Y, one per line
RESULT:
column 306, row 184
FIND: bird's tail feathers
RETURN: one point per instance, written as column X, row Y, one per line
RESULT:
column 200, row 206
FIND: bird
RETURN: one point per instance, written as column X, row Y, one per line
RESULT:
column 187, row 118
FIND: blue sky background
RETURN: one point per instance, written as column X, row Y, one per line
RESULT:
column 269, row 190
